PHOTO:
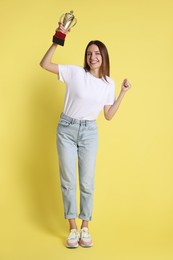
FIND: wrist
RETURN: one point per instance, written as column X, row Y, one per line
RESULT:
column 123, row 92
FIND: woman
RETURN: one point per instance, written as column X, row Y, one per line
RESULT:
column 88, row 91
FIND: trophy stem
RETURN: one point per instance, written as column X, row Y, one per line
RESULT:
column 67, row 25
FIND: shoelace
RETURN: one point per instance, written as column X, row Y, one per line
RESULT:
column 85, row 233
column 73, row 234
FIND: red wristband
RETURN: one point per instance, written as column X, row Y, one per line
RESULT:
column 59, row 38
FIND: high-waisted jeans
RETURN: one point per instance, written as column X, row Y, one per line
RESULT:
column 77, row 139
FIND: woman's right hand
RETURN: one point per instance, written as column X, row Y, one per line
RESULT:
column 62, row 29
column 60, row 34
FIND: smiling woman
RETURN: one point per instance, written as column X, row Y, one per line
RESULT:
column 97, row 59
column 94, row 60
column 89, row 90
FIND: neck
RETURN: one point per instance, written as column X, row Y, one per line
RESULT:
column 95, row 73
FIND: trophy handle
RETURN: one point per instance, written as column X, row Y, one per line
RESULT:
column 73, row 23
column 61, row 18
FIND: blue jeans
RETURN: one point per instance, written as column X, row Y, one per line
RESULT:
column 77, row 139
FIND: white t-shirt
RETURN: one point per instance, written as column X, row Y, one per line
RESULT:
column 85, row 94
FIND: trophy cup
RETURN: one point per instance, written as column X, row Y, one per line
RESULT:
column 68, row 20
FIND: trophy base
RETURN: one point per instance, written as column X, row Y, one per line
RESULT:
column 59, row 38
column 58, row 41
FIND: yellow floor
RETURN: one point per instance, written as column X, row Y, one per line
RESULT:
column 31, row 241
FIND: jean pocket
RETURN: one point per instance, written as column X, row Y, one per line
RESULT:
column 63, row 122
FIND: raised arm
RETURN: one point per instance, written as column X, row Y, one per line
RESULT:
column 110, row 110
column 46, row 62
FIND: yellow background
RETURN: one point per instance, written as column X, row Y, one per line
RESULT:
column 133, row 213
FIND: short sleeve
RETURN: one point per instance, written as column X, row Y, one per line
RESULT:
column 64, row 73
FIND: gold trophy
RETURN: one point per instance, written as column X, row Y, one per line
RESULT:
column 68, row 20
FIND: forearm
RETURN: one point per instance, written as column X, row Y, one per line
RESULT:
column 46, row 62
column 113, row 109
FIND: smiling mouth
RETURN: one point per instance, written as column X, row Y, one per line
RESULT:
column 93, row 62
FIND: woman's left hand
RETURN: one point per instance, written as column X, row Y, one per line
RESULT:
column 125, row 85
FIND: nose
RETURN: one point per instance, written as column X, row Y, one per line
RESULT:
column 92, row 55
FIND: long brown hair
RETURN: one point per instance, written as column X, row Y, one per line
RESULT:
column 105, row 66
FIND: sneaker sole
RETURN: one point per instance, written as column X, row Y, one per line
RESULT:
column 84, row 245
column 72, row 247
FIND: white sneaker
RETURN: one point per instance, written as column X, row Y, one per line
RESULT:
column 85, row 238
column 73, row 239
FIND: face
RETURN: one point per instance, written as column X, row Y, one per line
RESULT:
column 94, row 58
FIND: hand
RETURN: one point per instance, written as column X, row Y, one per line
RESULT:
column 62, row 29
column 125, row 85
column 60, row 35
